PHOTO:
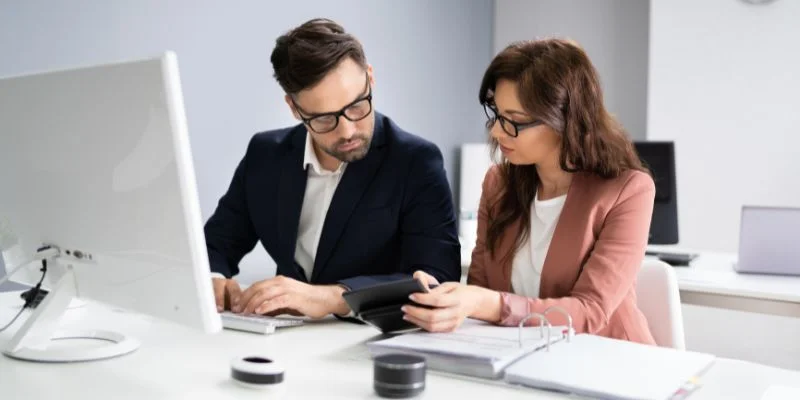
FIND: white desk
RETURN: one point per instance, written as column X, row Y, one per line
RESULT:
column 325, row 360
column 711, row 281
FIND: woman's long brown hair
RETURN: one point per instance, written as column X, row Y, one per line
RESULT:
column 558, row 85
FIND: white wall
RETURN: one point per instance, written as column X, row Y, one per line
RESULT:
column 613, row 32
column 724, row 84
column 429, row 57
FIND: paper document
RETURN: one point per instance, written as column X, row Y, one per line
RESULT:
column 596, row 366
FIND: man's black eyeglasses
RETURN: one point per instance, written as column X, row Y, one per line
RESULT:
column 359, row 109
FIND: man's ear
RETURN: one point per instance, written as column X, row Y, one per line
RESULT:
column 371, row 75
column 290, row 103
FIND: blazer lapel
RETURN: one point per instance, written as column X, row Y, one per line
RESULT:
column 291, row 190
column 357, row 177
column 563, row 260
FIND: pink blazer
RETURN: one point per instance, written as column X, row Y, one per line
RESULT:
column 591, row 265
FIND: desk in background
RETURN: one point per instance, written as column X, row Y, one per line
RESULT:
column 711, row 281
column 326, row 359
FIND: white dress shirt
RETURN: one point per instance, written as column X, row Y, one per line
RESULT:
column 320, row 186
column 526, row 268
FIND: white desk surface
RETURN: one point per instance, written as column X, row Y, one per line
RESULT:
column 713, row 273
column 325, row 360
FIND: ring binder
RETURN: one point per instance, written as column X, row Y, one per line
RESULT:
column 483, row 350
column 570, row 331
column 542, row 321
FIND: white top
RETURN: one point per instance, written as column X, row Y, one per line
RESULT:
column 320, row 186
column 526, row 268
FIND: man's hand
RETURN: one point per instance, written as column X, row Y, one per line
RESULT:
column 281, row 294
column 225, row 292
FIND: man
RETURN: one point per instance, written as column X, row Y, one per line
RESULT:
column 344, row 200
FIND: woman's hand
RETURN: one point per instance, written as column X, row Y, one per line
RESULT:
column 451, row 303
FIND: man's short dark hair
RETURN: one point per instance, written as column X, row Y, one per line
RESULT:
column 304, row 55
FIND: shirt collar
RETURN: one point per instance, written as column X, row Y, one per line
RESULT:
column 310, row 159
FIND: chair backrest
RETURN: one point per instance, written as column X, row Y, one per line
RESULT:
column 659, row 299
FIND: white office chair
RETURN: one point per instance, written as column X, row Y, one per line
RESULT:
column 659, row 299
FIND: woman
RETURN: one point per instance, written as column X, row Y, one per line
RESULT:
column 564, row 218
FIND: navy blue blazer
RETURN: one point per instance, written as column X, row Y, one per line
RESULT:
column 391, row 214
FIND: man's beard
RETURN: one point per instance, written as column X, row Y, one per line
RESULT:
column 353, row 154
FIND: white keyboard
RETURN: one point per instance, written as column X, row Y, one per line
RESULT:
column 256, row 323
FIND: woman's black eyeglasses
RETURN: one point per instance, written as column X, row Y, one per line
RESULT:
column 509, row 127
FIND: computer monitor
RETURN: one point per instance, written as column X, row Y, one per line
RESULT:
column 659, row 157
column 95, row 162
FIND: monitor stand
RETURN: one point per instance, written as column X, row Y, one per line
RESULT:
column 34, row 339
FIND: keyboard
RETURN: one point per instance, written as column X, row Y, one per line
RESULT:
column 256, row 323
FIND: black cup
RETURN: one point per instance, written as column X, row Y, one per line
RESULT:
column 398, row 376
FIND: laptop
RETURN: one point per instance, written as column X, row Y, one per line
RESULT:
column 769, row 241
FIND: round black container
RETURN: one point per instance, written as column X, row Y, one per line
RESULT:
column 258, row 372
column 398, row 376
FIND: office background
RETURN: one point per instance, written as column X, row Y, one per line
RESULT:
column 428, row 56
column 718, row 77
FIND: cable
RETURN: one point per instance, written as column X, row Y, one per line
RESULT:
column 35, row 292
column 12, row 320
column 33, row 295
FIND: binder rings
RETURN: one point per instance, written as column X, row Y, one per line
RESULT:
column 554, row 358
